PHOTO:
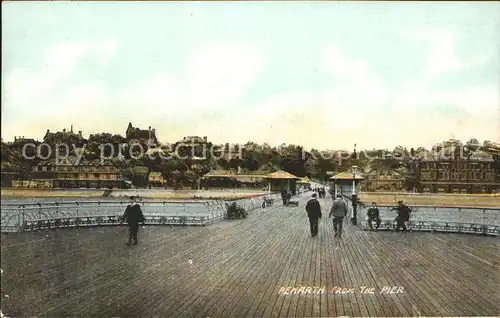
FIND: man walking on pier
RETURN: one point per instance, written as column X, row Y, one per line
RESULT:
column 133, row 215
column 313, row 209
column 339, row 211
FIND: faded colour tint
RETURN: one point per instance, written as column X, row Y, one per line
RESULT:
column 320, row 74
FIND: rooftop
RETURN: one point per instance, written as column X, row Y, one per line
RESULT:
column 347, row 175
column 238, row 268
column 137, row 133
column 281, row 174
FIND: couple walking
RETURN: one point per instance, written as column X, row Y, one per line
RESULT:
column 338, row 211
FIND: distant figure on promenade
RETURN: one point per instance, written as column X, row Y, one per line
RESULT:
column 331, row 191
column 403, row 215
column 133, row 216
column 313, row 209
column 338, row 211
column 374, row 215
column 286, row 196
column 322, row 192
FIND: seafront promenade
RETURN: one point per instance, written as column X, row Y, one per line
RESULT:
column 264, row 265
column 385, row 198
column 155, row 193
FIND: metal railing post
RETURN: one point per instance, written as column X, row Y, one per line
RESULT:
column 21, row 217
column 484, row 226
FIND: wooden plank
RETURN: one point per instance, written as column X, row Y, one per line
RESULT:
column 390, row 268
column 288, row 276
column 433, row 287
column 238, row 268
column 361, row 279
column 323, row 268
column 269, row 283
column 269, row 246
column 289, row 307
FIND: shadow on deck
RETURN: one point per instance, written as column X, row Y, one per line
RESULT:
column 237, row 268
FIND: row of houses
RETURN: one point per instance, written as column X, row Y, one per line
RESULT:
column 194, row 147
column 476, row 173
column 74, row 172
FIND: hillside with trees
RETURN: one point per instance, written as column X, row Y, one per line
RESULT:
column 314, row 163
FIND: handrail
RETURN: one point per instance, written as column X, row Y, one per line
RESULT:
column 27, row 217
column 100, row 202
column 449, row 219
column 434, row 207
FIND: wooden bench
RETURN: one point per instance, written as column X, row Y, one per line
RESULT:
column 439, row 226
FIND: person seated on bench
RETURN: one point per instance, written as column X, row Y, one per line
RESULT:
column 374, row 215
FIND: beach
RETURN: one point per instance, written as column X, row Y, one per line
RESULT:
column 382, row 198
column 149, row 194
column 433, row 199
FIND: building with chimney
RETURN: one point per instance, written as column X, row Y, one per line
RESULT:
column 20, row 141
column 136, row 135
column 383, row 180
column 474, row 172
column 193, row 147
column 64, row 137
column 74, row 172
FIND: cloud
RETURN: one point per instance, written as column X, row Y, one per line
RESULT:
column 208, row 97
column 24, row 88
column 212, row 79
column 422, row 90
column 221, row 73
column 442, row 56
column 418, row 114
column 362, row 86
column 48, row 96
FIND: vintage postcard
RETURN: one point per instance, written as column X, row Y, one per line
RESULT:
column 250, row 159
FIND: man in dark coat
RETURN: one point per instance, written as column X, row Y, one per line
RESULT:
column 403, row 215
column 133, row 216
column 284, row 196
column 313, row 209
column 374, row 215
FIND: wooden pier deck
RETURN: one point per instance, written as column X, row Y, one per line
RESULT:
column 238, row 268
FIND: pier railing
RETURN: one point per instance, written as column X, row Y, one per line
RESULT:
column 439, row 219
column 68, row 214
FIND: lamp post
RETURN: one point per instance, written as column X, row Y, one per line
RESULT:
column 335, row 188
column 354, row 169
column 467, row 167
column 354, row 197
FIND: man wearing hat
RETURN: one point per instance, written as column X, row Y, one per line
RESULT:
column 133, row 215
column 403, row 215
column 338, row 211
column 313, row 209
column 374, row 215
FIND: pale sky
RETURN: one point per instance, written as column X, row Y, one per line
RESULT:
column 319, row 74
